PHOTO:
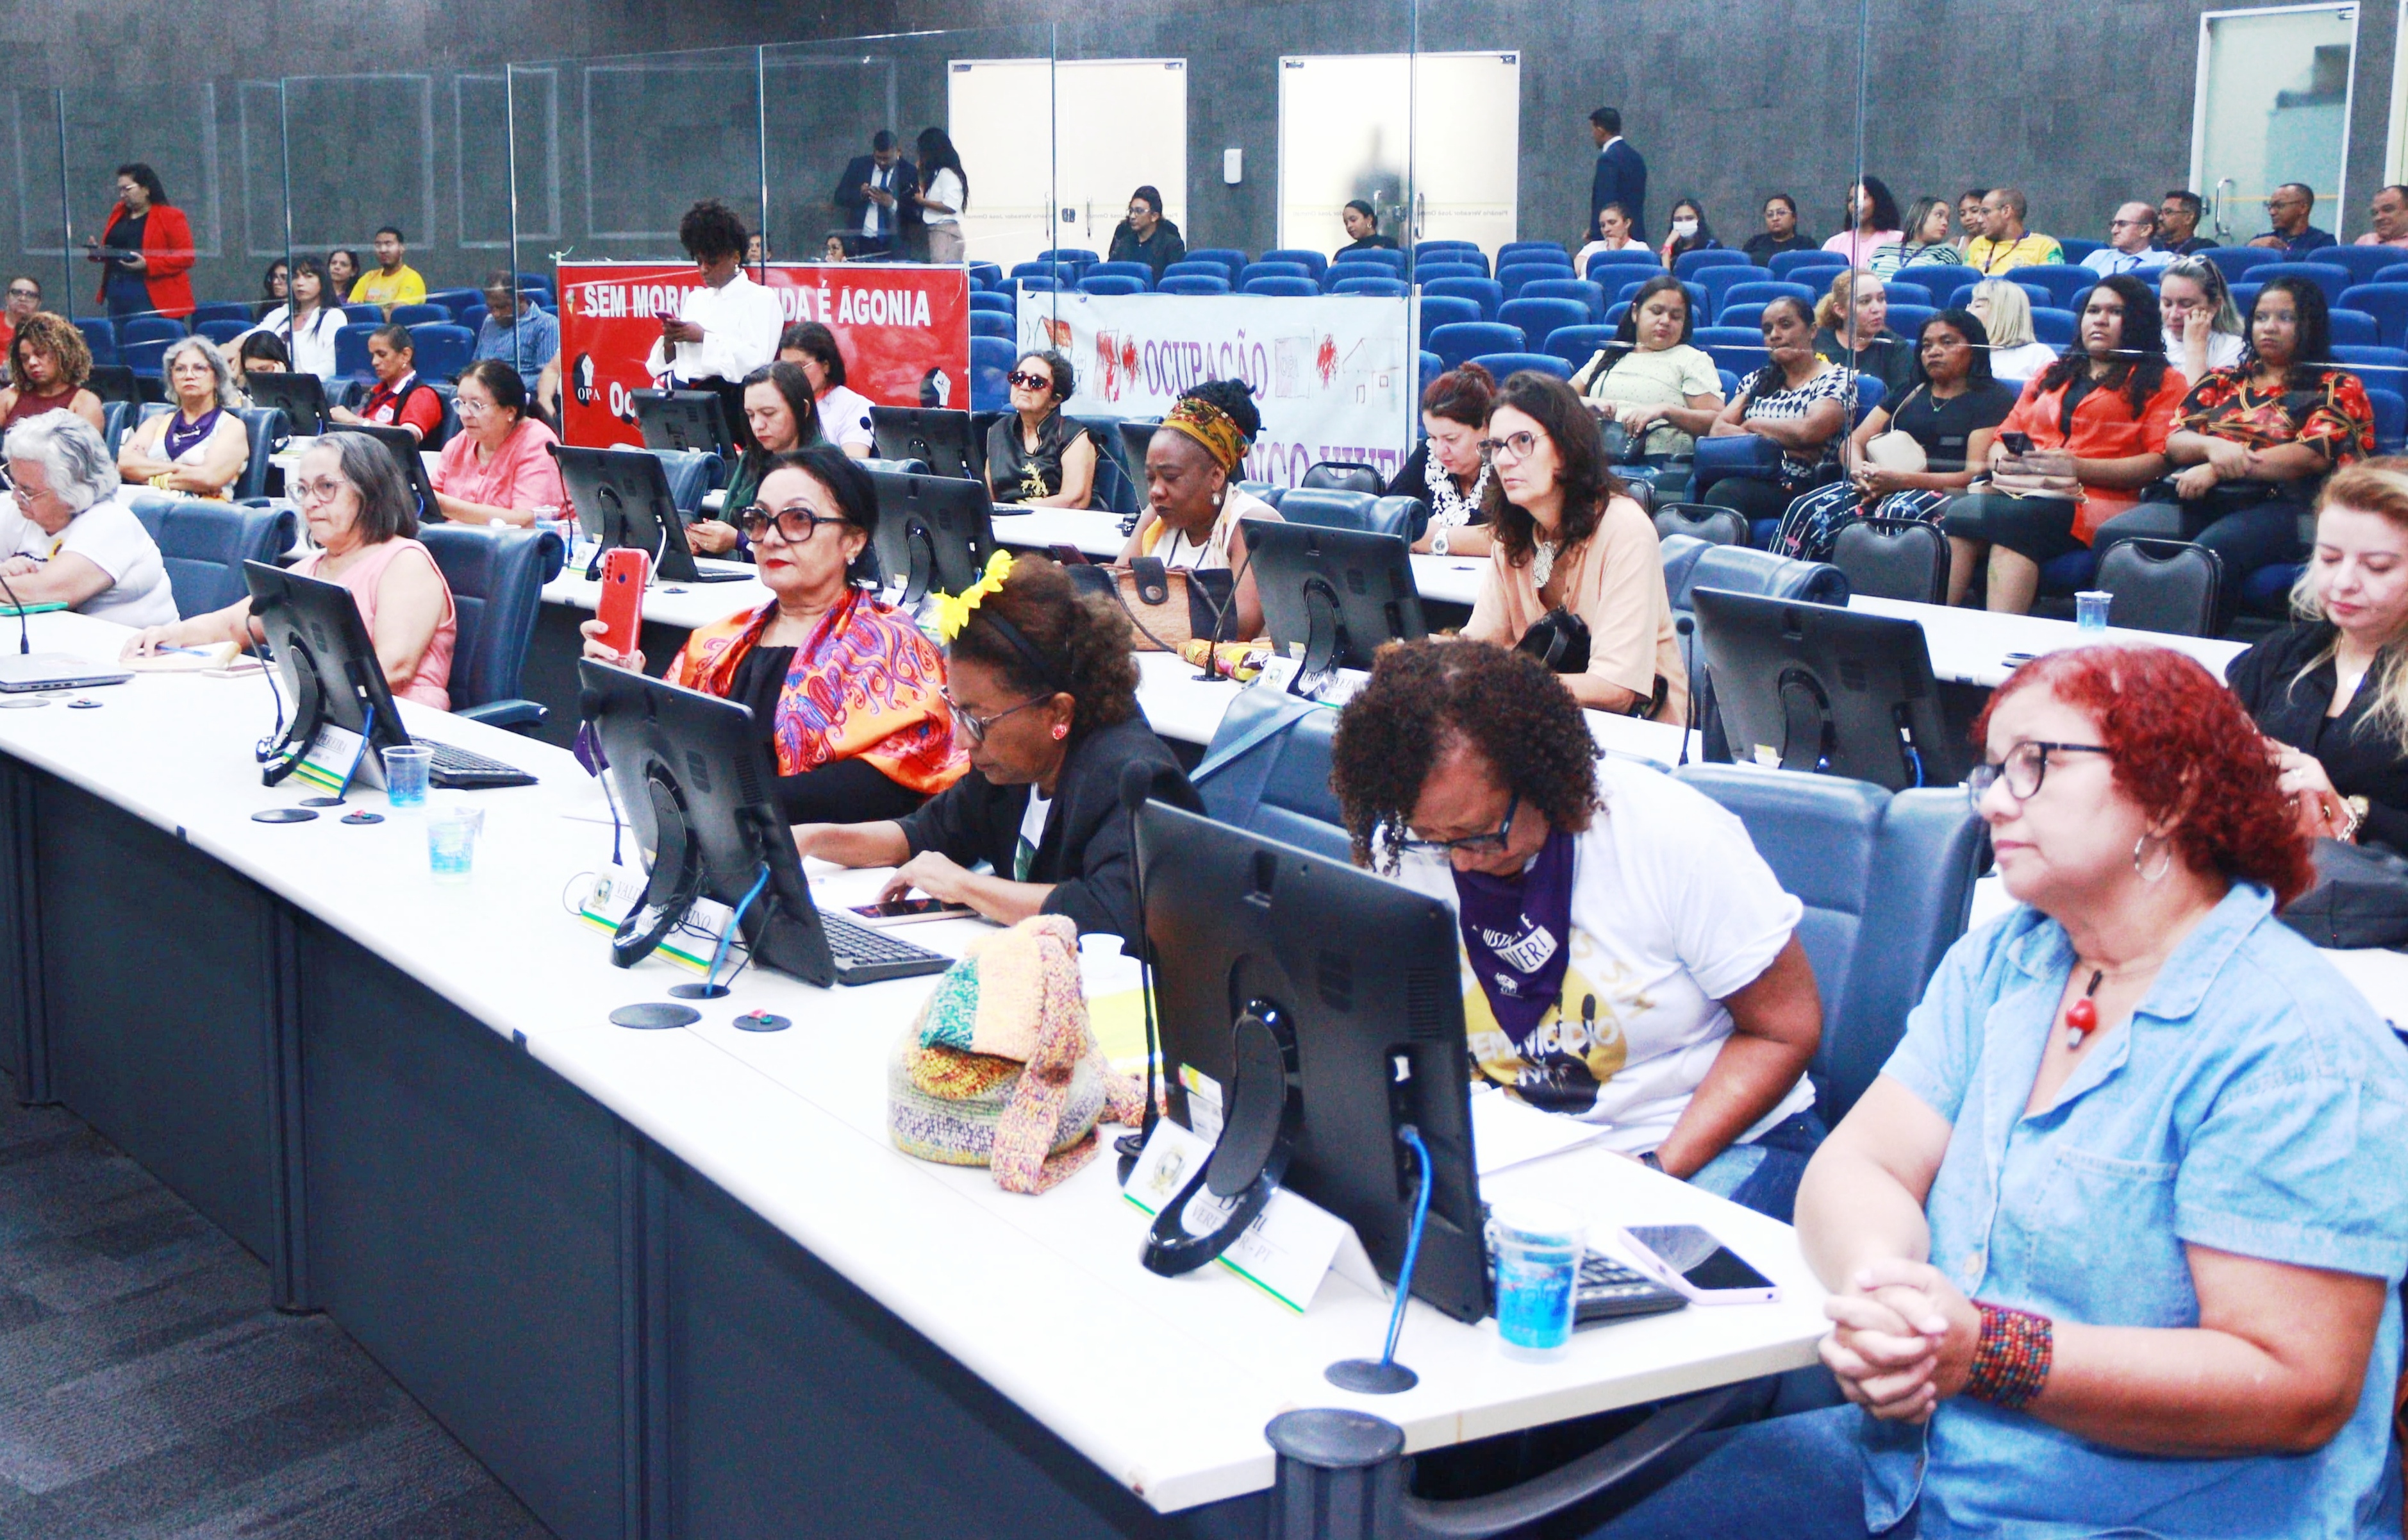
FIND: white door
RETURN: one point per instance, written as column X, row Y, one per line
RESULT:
column 2272, row 107
column 1054, row 148
column 1447, row 169
column 1001, row 114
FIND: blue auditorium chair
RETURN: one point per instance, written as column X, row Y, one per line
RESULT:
column 496, row 577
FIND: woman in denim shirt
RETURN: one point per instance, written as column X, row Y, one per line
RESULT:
column 2114, row 1238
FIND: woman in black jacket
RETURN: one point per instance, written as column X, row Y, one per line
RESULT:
column 2330, row 691
column 1043, row 691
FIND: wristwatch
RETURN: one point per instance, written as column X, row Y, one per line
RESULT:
column 2357, row 809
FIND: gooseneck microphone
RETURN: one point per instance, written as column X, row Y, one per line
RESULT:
column 1136, row 784
column 24, row 635
column 1688, row 627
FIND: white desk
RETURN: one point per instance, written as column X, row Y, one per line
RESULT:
column 1445, row 580
column 1971, row 646
column 461, row 1217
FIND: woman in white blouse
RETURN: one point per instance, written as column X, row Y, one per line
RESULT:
column 2203, row 329
column 2005, row 310
column 306, row 325
column 943, row 193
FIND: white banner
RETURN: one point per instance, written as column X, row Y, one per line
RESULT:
column 1332, row 375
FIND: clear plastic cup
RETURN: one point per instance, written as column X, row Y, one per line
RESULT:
column 2090, row 609
column 404, row 775
column 451, row 841
column 1538, row 1247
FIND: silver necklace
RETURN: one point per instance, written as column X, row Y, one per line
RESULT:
column 1452, row 509
column 1543, row 564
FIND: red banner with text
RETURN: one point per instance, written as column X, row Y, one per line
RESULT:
column 904, row 331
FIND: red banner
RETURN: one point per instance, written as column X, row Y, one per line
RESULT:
column 904, row 330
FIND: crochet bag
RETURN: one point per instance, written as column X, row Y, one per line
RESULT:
column 1001, row 1068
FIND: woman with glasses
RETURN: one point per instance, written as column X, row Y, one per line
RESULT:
column 1145, row 235
column 2113, row 1240
column 784, row 416
column 1570, row 554
column 199, row 446
column 847, row 692
column 1629, row 960
column 499, row 465
column 1195, row 514
column 67, row 532
column 362, row 521
column 146, row 245
column 1043, row 690
column 843, row 412
column 1035, row 456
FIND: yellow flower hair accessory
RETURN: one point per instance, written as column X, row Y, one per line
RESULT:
column 953, row 612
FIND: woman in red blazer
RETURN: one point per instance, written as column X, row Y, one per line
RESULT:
column 148, row 246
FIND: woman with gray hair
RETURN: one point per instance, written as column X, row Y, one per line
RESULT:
column 364, row 522
column 199, row 446
column 65, row 537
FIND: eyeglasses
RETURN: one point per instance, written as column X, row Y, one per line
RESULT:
column 797, row 524
column 1026, row 381
column 24, row 293
column 2024, row 769
column 1518, row 445
column 2127, row 223
column 469, row 407
column 975, row 729
column 1478, row 845
column 322, row 490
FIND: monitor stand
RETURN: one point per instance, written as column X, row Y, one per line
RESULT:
column 1326, row 639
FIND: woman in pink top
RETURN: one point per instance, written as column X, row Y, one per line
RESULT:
column 363, row 520
column 499, row 465
column 1873, row 221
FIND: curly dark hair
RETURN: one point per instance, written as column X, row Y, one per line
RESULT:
column 710, row 230
column 1083, row 639
column 55, row 334
column 1236, row 398
column 1588, row 481
column 1423, row 697
column 2139, row 366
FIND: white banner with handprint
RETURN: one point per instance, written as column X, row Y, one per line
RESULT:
column 1332, row 374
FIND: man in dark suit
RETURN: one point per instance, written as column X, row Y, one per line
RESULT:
column 874, row 194
column 1621, row 175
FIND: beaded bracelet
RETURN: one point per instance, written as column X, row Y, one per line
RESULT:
column 2010, row 1362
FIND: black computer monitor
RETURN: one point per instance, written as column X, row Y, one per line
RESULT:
column 302, row 398
column 695, row 782
column 622, row 497
column 1343, row 593
column 933, row 531
column 409, row 458
column 684, row 419
column 1365, row 972
column 941, row 439
column 1817, row 687
column 113, row 383
column 322, row 652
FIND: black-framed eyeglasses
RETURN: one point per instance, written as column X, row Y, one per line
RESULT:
column 1477, row 844
column 1518, row 445
column 795, row 522
column 24, row 293
column 2023, row 770
column 975, row 729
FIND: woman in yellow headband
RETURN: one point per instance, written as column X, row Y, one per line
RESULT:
column 1194, row 505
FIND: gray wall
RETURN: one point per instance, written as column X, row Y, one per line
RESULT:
column 1729, row 99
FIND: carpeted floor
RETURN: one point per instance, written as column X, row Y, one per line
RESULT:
column 147, row 1392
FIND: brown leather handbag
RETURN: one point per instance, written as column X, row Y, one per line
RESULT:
column 1168, row 606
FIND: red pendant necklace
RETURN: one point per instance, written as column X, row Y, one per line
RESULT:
column 2082, row 1016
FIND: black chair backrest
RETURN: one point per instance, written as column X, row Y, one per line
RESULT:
column 2162, row 585
column 1894, row 559
column 114, row 382
column 1344, row 476
column 1702, row 520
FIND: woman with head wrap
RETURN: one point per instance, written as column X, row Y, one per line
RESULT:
column 1194, row 504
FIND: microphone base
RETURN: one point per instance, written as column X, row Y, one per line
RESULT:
column 1371, row 1376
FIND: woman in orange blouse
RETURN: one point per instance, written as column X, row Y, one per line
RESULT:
column 2096, row 423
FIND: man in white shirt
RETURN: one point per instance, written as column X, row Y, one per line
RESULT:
column 726, row 327
column 64, row 536
column 2130, row 247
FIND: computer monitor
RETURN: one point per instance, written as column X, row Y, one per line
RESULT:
column 1816, row 687
column 692, row 778
column 942, row 440
column 622, row 497
column 1365, row 972
column 1343, row 593
column 302, row 398
column 322, row 652
column 684, row 419
column 933, row 531
column 409, row 458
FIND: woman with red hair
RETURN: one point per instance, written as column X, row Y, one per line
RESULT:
column 2112, row 1241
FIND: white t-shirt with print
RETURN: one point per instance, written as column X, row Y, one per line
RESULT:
column 108, row 536
column 844, row 419
column 1673, row 911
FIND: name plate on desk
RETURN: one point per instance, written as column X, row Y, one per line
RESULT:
column 612, row 895
column 334, row 757
column 1288, row 1249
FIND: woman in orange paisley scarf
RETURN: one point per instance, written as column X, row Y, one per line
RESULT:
column 848, row 694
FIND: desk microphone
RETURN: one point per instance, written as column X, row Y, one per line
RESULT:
column 24, row 636
column 1136, row 784
column 1688, row 627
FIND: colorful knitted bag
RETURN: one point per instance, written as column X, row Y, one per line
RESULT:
column 1001, row 1070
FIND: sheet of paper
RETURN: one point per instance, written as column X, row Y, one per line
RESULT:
column 1507, row 1132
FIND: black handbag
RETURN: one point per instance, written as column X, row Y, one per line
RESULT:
column 2360, row 898
column 1559, row 640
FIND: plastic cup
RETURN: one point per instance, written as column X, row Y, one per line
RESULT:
column 451, row 841
column 2090, row 609
column 404, row 775
column 1538, row 1247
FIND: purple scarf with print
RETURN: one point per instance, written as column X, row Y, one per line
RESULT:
column 1517, row 931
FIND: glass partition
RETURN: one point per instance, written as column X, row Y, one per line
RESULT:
column 37, row 217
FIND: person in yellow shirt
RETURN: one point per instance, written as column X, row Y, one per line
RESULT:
column 395, row 282
column 2006, row 245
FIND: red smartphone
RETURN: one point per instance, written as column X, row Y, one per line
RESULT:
column 626, row 573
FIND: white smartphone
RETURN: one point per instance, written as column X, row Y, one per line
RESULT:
column 1690, row 1260
column 912, row 911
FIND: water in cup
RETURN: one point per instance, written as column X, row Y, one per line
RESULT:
column 451, row 841
column 2090, row 609
column 1537, row 1246
column 406, row 771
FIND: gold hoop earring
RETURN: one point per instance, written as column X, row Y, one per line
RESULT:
column 2163, row 867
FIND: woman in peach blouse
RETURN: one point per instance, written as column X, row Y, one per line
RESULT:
column 499, row 465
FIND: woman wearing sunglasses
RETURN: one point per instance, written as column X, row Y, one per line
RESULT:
column 1034, row 455
column 847, row 691
column 1043, row 691
column 1629, row 959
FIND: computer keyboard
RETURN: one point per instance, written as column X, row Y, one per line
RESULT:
column 865, row 953
column 455, row 769
column 1608, row 1291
